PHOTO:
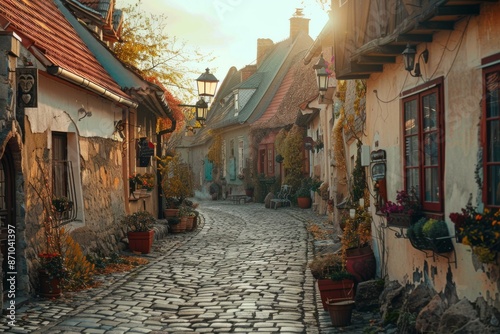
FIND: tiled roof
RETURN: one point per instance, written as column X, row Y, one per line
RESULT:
column 40, row 23
column 266, row 82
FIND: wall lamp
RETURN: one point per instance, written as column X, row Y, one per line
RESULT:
column 409, row 60
column 320, row 68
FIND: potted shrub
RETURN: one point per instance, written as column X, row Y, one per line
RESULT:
column 430, row 234
column 356, row 248
column 334, row 282
column 140, row 231
column 303, row 193
column 176, row 180
column 51, row 274
column 187, row 215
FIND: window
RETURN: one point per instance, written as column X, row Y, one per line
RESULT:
column 63, row 180
column 240, row 156
column 266, row 159
column 491, row 135
column 224, row 159
column 60, row 160
column 423, row 131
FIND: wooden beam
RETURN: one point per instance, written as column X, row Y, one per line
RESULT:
column 458, row 10
column 388, row 50
column 414, row 38
column 373, row 60
column 436, row 25
column 352, row 76
column 361, row 68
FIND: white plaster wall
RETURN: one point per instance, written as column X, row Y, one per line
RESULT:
column 58, row 106
column 458, row 60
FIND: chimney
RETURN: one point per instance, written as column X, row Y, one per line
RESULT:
column 298, row 23
column 247, row 72
column 263, row 45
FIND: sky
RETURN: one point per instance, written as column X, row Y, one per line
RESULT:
column 229, row 29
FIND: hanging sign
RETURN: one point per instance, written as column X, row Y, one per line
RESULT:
column 145, row 150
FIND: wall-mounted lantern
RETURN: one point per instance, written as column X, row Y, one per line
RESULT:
column 409, row 60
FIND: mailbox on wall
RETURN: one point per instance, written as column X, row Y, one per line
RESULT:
column 378, row 165
column 378, row 173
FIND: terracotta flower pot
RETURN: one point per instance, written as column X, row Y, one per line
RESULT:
column 341, row 312
column 361, row 263
column 180, row 226
column 304, row 202
column 171, row 213
column 141, row 241
column 335, row 290
column 50, row 287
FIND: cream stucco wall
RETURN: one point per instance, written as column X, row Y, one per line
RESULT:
column 456, row 57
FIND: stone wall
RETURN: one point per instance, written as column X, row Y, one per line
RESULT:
column 103, row 196
column 420, row 309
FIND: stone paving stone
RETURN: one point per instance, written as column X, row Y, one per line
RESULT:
column 244, row 270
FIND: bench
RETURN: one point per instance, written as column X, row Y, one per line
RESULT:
column 237, row 199
column 282, row 198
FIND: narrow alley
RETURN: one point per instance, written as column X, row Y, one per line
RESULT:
column 244, row 270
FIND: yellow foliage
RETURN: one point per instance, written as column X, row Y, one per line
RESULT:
column 176, row 180
column 80, row 271
column 215, row 151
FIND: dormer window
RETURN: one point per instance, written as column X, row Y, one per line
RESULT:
column 236, row 104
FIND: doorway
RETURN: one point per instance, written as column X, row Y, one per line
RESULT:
column 7, row 211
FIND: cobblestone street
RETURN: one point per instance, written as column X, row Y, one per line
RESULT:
column 244, row 270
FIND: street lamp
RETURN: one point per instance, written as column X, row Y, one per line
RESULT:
column 320, row 68
column 207, row 84
column 201, row 111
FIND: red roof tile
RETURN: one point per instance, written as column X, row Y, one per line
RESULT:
column 40, row 22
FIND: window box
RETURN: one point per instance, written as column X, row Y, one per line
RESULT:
column 401, row 220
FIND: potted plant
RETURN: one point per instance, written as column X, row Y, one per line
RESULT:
column 186, row 215
column 430, row 234
column 51, row 274
column 334, row 282
column 404, row 212
column 147, row 181
column 356, row 248
column 436, row 232
column 62, row 204
column 303, row 193
column 140, row 231
column 176, row 181
column 479, row 230
column 133, row 180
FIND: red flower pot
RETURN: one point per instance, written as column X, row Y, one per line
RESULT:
column 360, row 262
column 141, row 241
column 335, row 290
column 50, row 287
column 304, row 202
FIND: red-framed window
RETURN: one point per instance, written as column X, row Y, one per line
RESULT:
column 266, row 159
column 491, row 132
column 423, row 139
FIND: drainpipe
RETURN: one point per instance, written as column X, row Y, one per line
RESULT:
column 158, row 154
